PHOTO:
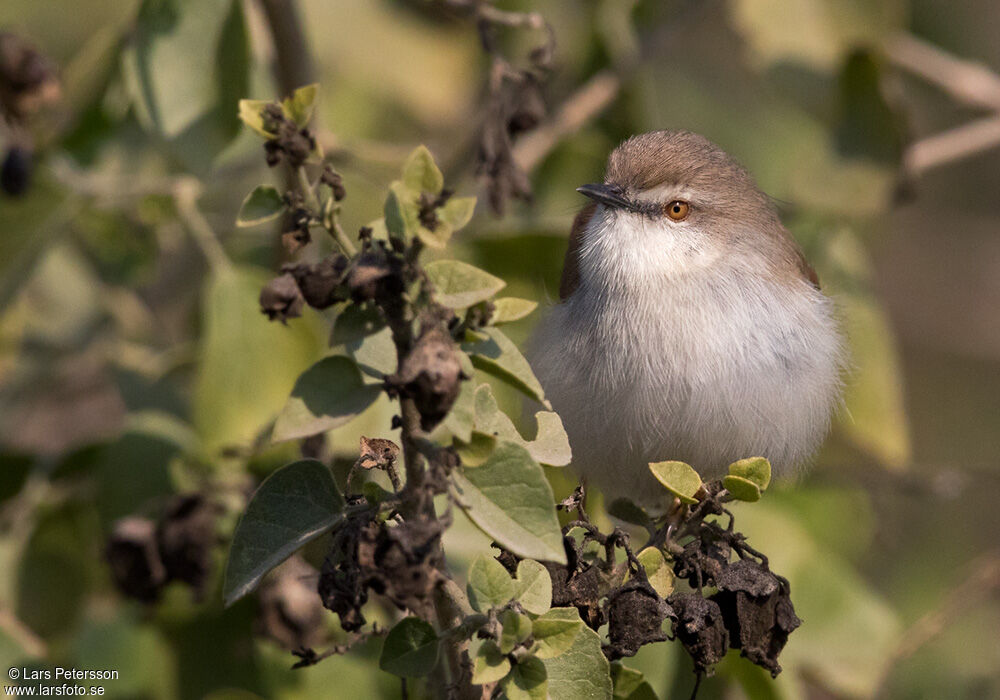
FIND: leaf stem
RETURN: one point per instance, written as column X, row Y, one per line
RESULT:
column 186, row 192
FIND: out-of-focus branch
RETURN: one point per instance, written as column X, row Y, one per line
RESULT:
column 294, row 65
column 954, row 144
column 966, row 81
column 581, row 107
column 983, row 582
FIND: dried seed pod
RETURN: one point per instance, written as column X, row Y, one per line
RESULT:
column 289, row 610
column 281, row 299
column 322, row 284
column 699, row 625
column 186, row 537
column 635, row 618
column 134, row 559
column 431, row 374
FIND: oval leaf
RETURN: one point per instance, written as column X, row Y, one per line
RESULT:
column 555, row 631
column 490, row 665
column 528, row 680
column 755, row 469
column 515, row 629
column 497, row 355
column 292, row 506
column 510, row 309
column 457, row 212
column 490, row 585
column 476, row 450
column 679, row 478
column 327, row 395
column 410, row 649
column 299, row 106
column 250, row 113
column 582, row 672
column 658, row 571
column 509, row 498
column 742, row 489
column 459, row 285
column 264, row 204
column 533, row 587
column 421, row 173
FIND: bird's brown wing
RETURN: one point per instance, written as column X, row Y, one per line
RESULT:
column 571, row 264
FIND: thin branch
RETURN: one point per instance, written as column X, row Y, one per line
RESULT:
column 961, row 142
column 983, row 582
column 186, row 193
column 581, row 107
column 966, row 81
column 294, row 65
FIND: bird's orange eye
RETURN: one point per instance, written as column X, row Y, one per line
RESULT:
column 677, row 210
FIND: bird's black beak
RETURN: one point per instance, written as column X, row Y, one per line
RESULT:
column 608, row 195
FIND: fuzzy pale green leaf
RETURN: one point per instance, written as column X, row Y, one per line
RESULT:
column 457, row 212
column 678, row 477
column 459, row 285
column 490, row 664
column 490, row 585
column 581, row 672
column 515, row 628
column 658, row 571
column 509, row 498
column 476, row 450
column 499, row 356
column 755, row 469
column 508, row 309
column 299, row 106
column 742, row 489
column 421, row 173
column 533, row 587
column 326, row 396
column 555, row 631
column 528, row 680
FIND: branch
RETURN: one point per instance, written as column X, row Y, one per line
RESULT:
column 582, row 106
column 966, row 81
column 293, row 63
column 961, row 142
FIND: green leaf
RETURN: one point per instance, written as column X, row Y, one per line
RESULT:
column 679, row 478
column 375, row 354
column 457, row 212
column 755, row 469
column 581, row 672
column 247, row 366
column 551, row 444
column 402, row 214
column 461, row 417
column 421, row 174
column 186, row 64
column 327, row 395
column 498, row 356
column 250, row 113
column 515, row 629
column 355, row 323
column 490, row 664
column 510, row 309
column 630, row 684
column 509, row 498
column 742, row 489
column 624, row 509
column 299, row 106
column 658, row 571
column 292, row 506
column 490, row 585
column 533, row 587
column 555, row 631
column 477, row 450
column 410, row 649
column 264, row 204
column 528, row 680
column 459, row 285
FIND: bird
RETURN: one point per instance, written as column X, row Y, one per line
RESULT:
column 689, row 327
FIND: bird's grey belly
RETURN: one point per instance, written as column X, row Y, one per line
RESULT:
column 685, row 385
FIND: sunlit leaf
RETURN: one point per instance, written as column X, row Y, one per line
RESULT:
column 658, row 570
column 510, row 499
column 527, row 681
column 515, row 628
column 581, row 672
column 490, row 585
column 755, row 469
column 741, row 489
column 679, row 478
column 300, row 104
column 551, row 444
column 457, row 212
column 498, row 356
column 459, row 285
column 421, row 174
column 251, row 113
column 508, row 309
column 490, row 664
column 327, row 395
column 410, row 649
column 292, row 506
column 533, row 587
column 555, row 631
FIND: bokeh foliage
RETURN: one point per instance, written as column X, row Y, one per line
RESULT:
column 132, row 369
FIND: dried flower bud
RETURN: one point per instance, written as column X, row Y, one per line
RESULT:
column 322, row 284
column 290, row 612
column 134, row 559
column 698, row 624
column 334, row 181
column 635, row 618
column 186, row 536
column 281, row 299
column 431, row 374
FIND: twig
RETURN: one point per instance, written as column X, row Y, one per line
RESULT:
column 968, row 82
column 980, row 585
column 294, row 66
column 186, row 192
column 581, row 107
column 961, row 142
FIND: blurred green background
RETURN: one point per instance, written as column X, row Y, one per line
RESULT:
column 129, row 372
